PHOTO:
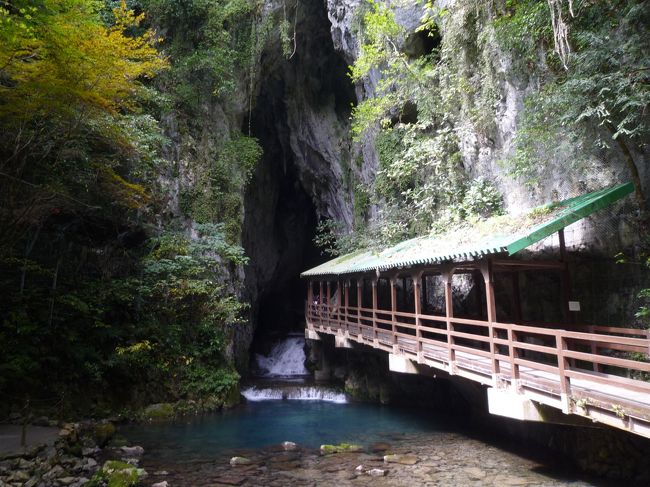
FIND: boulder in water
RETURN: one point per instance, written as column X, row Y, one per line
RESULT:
column 289, row 446
column 159, row 411
column 235, row 461
column 340, row 448
column 401, row 459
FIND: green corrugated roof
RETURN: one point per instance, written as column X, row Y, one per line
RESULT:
column 498, row 234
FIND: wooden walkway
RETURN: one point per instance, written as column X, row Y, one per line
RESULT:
column 601, row 373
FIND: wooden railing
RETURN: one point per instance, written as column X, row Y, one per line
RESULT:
column 545, row 358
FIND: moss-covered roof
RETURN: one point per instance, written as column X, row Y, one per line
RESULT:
column 495, row 235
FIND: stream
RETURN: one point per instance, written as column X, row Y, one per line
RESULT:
column 283, row 406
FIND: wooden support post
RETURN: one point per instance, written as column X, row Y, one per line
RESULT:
column 447, row 276
column 488, row 277
column 513, row 353
column 417, row 283
column 594, row 349
column 328, row 309
column 516, row 298
column 563, row 365
column 393, row 310
column 310, row 301
column 346, row 302
column 375, row 335
column 338, row 305
column 566, row 281
column 321, row 302
column 359, row 301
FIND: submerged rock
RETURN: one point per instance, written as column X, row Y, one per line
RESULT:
column 475, row 473
column 289, row 446
column 340, row 448
column 377, row 472
column 234, row 461
column 379, row 447
column 401, row 459
column 132, row 451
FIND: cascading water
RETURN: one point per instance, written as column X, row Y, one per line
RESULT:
column 300, row 393
column 287, row 359
column 285, row 365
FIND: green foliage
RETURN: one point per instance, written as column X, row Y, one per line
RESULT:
column 421, row 185
column 216, row 195
column 204, row 381
column 327, row 237
column 601, row 100
column 115, row 473
column 524, row 28
column 209, row 43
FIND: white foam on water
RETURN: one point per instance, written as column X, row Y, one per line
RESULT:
column 306, row 393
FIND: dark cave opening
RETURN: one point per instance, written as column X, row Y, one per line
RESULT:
column 283, row 202
column 280, row 225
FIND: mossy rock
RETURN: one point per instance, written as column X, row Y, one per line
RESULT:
column 103, row 433
column 160, row 411
column 117, row 474
column 340, row 448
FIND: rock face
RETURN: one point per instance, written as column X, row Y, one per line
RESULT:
column 482, row 150
column 301, row 117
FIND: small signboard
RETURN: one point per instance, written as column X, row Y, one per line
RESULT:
column 574, row 305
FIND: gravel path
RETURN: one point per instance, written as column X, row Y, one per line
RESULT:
column 10, row 437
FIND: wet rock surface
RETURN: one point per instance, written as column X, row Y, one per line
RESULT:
column 443, row 459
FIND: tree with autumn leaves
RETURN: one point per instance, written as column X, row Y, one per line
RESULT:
column 70, row 86
column 78, row 156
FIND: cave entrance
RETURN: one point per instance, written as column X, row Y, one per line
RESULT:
column 302, row 103
column 279, row 227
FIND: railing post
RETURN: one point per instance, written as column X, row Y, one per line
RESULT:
column 321, row 303
column 339, row 304
column 447, row 275
column 359, row 304
column 417, row 283
column 375, row 335
column 562, row 364
column 594, row 350
column 488, row 278
column 346, row 311
column 514, row 354
column 393, row 309
column 329, row 308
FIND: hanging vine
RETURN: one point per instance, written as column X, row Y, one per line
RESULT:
column 289, row 43
column 561, row 29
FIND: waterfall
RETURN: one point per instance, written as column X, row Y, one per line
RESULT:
column 287, row 358
column 309, row 393
column 279, row 372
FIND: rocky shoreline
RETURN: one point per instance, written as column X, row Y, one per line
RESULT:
column 440, row 460
column 85, row 453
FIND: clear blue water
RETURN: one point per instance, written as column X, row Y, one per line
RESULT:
column 260, row 424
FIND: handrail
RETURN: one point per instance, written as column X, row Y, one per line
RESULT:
column 530, row 347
